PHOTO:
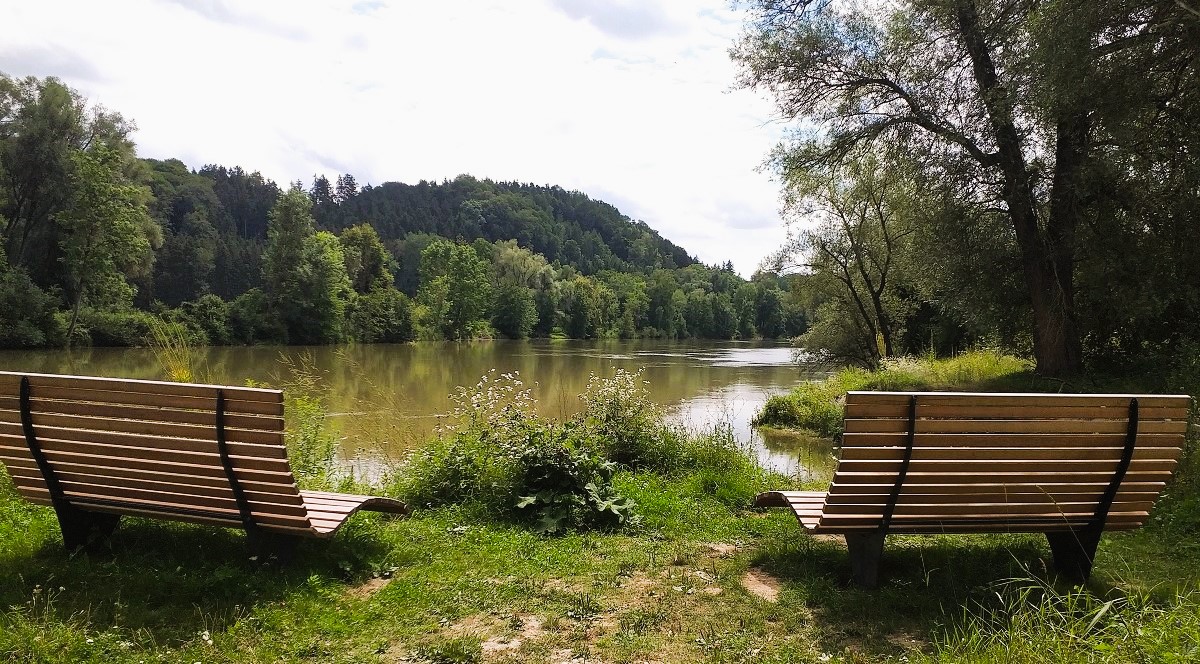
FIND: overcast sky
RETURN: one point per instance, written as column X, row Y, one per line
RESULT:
column 629, row 101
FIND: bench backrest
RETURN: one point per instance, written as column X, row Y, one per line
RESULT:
column 1016, row 462
column 149, row 447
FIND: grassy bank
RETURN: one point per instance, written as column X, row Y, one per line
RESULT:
column 683, row 571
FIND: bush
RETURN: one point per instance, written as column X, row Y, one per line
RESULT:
column 27, row 317
column 502, row 456
column 116, row 327
column 251, row 320
column 211, row 314
column 630, row 429
column 381, row 316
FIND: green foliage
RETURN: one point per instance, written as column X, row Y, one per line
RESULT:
column 384, row 315
column 212, row 315
column 817, row 405
column 503, row 457
column 628, row 425
column 456, row 289
column 304, row 273
column 251, row 319
column 515, row 311
column 1035, row 622
column 104, row 231
column 27, row 317
column 115, row 327
column 367, row 261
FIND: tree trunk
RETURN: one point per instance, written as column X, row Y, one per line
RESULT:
column 1047, row 259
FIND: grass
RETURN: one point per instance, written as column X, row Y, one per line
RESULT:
column 817, row 405
column 456, row 583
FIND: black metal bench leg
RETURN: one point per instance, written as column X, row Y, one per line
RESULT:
column 84, row 529
column 866, row 550
column 1074, row 552
column 267, row 544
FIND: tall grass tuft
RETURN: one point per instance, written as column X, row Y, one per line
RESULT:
column 311, row 445
column 174, row 350
column 1030, row 621
column 817, row 405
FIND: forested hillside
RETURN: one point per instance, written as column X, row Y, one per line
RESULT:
column 103, row 247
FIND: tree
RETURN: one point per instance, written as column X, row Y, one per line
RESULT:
column 858, row 233
column 304, row 273
column 515, row 312
column 1006, row 104
column 44, row 125
column 456, row 288
column 103, row 231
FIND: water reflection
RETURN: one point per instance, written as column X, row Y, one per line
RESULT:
column 387, row 398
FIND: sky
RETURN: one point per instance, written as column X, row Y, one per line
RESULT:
column 629, row 101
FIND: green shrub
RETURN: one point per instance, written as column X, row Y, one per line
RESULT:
column 27, row 317
column 381, row 316
column 116, row 327
column 211, row 314
column 499, row 454
column 251, row 320
column 628, row 425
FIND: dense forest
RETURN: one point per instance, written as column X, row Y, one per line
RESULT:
column 100, row 245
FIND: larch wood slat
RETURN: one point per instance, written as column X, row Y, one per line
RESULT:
column 148, row 465
column 34, row 478
column 1019, row 399
column 165, row 454
column 1009, row 453
column 1027, row 412
column 204, row 432
column 1084, row 440
column 1012, row 426
column 268, row 423
column 232, row 406
column 11, row 379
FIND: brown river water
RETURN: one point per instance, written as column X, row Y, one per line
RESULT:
column 386, row 399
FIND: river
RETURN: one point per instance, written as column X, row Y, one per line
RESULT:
column 387, row 399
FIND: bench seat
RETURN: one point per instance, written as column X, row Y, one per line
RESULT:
column 98, row 448
column 1068, row 466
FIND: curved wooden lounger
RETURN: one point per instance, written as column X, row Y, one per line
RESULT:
column 98, row 448
column 1067, row 465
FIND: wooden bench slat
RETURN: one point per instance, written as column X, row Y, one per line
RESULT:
column 232, row 406
column 182, row 473
column 1010, row 478
column 1023, row 412
column 166, row 468
column 1070, row 440
column 972, row 509
column 204, row 433
column 148, row 413
column 918, row 465
column 1019, row 399
column 1009, row 453
column 94, row 501
column 97, row 448
column 1050, row 487
column 1012, row 426
column 10, row 379
column 262, row 492
column 1008, row 498
column 167, row 494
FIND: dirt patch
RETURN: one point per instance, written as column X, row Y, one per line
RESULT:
column 369, row 588
column 719, row 550
column 763, row 585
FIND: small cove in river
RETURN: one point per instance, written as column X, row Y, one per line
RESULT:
column 387, row 399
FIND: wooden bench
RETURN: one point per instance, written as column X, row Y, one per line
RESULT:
column 1067, row 465
column 98, row 448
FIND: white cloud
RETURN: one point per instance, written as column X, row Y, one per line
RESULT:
column 627, row 101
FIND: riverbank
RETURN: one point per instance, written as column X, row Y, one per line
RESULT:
column 696, row 576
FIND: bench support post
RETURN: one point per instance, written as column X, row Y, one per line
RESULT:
column 80, row 528
column 1074, row 552
column 866, row 550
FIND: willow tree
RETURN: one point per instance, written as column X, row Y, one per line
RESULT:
column 1013, row 105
